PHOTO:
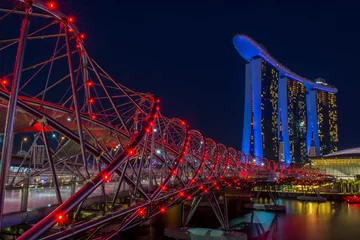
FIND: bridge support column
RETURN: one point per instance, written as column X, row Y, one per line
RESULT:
column 312, row 121
column 182, row 215
column 226, row 214
column 217, row 211
column 194, row 205
column 283, row 117
column 10, row 117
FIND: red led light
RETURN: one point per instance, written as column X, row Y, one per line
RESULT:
column 106, row 177
column 206, row 190
column 131, row 152
column 192, row 180
column 158, row 100
column 163, row 188
column 162, row 210
column 141, row 211
column 4, row 82
column 89, row 83
column 71, row 19
column 82, row 36
column 60, row 217
column 173, row 172
column 189, row 198
column 148, row 130
column 201, row 187
column 157, row 108
column 52, row 5
column 183, row 123
column 93, row 116
column 181, row 194
column 91, row 100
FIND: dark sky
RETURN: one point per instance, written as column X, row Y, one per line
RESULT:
column 184, row 53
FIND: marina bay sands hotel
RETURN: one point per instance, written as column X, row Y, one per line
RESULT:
column 287, row 117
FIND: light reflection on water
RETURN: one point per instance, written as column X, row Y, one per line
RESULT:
column 303, row 220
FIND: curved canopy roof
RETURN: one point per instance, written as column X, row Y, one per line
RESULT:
column 249, row 49
column 346, row 152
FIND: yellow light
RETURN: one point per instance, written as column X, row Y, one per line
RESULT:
column 62, row 137
column 25, row 139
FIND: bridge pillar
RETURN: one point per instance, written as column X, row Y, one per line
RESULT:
column 312, row 121
column 283, row 117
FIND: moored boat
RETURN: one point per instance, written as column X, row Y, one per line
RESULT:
column 352, row 199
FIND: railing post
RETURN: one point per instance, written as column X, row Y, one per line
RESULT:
column 24, row 195
column 73, row 185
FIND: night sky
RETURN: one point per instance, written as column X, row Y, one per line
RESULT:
column 184, row 54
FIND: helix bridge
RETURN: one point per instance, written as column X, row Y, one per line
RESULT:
column 109, row 139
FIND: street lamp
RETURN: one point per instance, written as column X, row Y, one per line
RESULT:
column 21, row 144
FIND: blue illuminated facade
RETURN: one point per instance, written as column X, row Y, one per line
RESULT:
column 279, row 104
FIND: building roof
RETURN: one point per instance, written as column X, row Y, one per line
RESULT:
column 346, row 152
column 249, row 49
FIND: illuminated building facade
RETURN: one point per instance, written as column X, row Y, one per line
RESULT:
column 296, row 98
column 327, row 119
column 285, row 116
column 343, row 164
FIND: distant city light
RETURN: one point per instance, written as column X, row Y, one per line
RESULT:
column 158, row 151
column 68, row 119
column 155, row 130
column 54, row 135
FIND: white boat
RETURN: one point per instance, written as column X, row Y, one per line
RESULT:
column 311, row 198
column 266, row 207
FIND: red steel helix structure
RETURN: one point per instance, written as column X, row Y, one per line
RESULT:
column 105, row 134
